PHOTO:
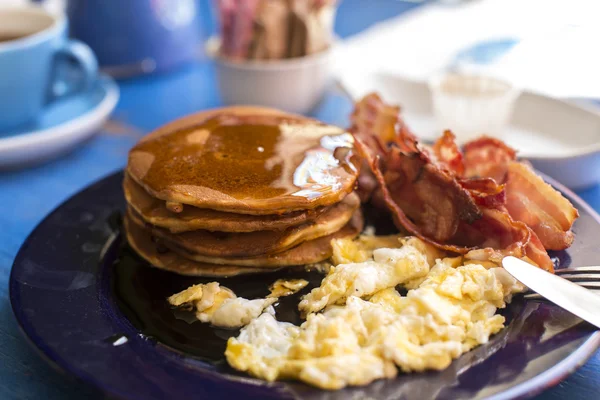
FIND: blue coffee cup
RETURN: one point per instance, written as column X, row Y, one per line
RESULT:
column 38, row 64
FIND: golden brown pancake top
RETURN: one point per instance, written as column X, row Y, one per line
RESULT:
column 255, row 162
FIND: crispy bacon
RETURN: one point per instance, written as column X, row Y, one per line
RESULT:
column 536, row 252
column 496, row 230
column 366, row 184
column 533, row 253
column 504, row 236
column 401, row 220
column 492, row 236
column 374, row 123
column 487, row 157
column 373, row 117
column 496, row 235
column 448, row 154
column 540, row 206
column 477, row 203
column 485, row 191
column 406, row 141
column 428, row 195
column 528, row 198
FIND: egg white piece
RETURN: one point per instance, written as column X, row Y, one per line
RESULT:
column 237, row 312
column 389, row 268
column 220, row 307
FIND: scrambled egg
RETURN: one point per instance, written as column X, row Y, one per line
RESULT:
column 220, row 307
column 389, row 268
column 234, row 313
column 346, row 251
column 287, row 287
column 367, row 329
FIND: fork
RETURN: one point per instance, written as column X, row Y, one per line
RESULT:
column 588, row 277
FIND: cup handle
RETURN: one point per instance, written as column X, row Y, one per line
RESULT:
column 75, row 70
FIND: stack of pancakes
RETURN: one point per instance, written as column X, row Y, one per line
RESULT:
column 240, row 190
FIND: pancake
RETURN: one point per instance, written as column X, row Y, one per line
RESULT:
column 246, row 160
column 310, row 252
column 141, row 241
column 191, row 218
column 250, row 244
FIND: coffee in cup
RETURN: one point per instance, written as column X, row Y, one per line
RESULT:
column 8, row 37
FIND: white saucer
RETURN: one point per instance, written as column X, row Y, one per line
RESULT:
column 61, row 127
column 560, row 138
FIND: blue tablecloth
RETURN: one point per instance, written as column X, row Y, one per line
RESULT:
column 146, row 103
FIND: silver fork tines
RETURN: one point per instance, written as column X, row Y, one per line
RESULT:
column 587, row 277
column 578, row 270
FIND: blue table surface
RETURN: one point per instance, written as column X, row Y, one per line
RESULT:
column 27, row 196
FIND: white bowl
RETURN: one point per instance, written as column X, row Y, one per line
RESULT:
column 295, row 85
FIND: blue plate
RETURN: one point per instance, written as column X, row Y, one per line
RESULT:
column 61, row 126
column 61, row 294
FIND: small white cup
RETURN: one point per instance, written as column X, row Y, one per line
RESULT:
column 472, row 105
column 294, row 85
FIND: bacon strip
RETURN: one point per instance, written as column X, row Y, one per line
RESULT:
column 485, row 191
column 532, row 251
column 373, row 122
column 540, row 206
column 428, row 195
column 528, row 198
column 537, row 253
column 491, row 237
column 448, row 154
column 373, row 117
column 505, row 236
column 494, row 236
column 400, row 218
column 487, row 157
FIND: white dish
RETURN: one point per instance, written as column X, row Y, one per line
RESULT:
column 560, row 138
column 295, row 85
column 61, row 127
